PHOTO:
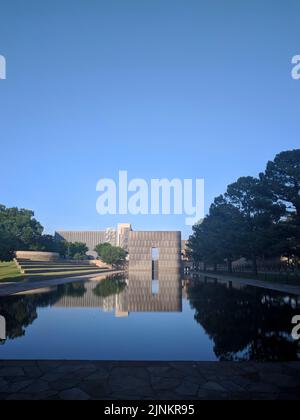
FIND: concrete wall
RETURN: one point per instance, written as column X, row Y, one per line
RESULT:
column 116, row 237
column 91, row 239
column 168, row 244
column 37, row 256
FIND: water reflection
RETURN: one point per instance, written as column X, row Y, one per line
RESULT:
column 114, row 293
column 242, row 322
column 245, row 323
column 21, row 311
column 133, row 294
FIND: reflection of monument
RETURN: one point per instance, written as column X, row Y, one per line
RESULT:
column 88, row 300
column 136, row 297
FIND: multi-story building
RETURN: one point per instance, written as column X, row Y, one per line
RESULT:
column 91, row 239
column 155, row 252
column 115, row 237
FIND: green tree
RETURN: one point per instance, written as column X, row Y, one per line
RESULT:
column 21, row 225
column 112, row 255
column 255, row 217
column 77, row 250
column 62, row 248
column 283, row 178
column 46, row 243
column 260, row 214
column 202, row 246
column 247, row 324
column 7, row 246
column 79, row 257
column 102, row 248
column 216, row 239
column 19, row 230
column 286, row 239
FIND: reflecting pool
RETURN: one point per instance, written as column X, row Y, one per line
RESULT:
column 128, row 319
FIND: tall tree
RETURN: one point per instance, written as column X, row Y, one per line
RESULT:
column 19, row 230
column 256, row 205
column 283, row 178
column 7, row 246
column 112, row 255
column 201, row 245
column 216, row 239
column 22, row 226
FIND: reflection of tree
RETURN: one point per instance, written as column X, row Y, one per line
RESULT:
column 73, row 290
column 247, row 324
column 21, row 311
column 109, row 287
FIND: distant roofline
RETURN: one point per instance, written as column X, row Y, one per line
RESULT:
column 92, row 231
column 96, row 231
column 151, row 231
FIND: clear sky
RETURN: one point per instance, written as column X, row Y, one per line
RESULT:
column 161, row 88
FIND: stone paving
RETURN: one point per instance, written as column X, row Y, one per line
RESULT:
column 61, row 380
column 278, row 287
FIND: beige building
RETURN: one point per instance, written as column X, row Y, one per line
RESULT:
column 114, row 236
column 141, row 246
column 161, row 247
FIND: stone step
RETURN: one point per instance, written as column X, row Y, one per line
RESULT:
column 59, row 270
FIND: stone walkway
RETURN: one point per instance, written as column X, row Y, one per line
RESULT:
column 61, row 380
column 278, row 287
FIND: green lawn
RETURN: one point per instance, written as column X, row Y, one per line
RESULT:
column 10, row 273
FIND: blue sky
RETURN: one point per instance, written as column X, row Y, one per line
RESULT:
column 169, row 88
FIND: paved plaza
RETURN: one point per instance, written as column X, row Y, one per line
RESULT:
column 61, row 380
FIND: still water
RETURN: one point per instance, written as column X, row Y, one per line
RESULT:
column 134, row 319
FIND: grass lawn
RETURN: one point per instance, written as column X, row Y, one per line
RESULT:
column 29, row 270
column 10, row 273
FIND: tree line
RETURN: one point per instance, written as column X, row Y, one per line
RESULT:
column 256, row 218
column 20, row 231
